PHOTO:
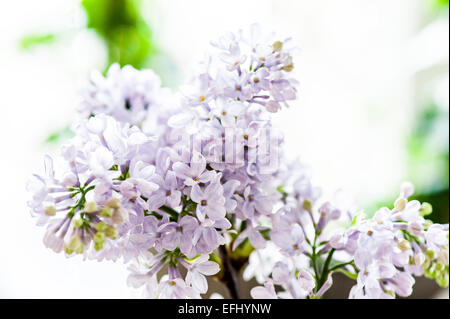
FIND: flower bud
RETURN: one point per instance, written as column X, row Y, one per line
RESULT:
column 99, row 240
column 101, row 227
column 430, row 272
column 288, row 68
column 443, row 257
column 442, row 280
column 111, row 232
column 50, row 211
column 77, row 223
column 113, row 202
column 106, row 211
column 119, row 216
column 430, row 254
column 404, row 245
column 307, row 205
column 277, row 46
column 426, row 264
column 439, row 268
column 90, row 207
column 75, row 245
column 400, row 204
column 426, row 209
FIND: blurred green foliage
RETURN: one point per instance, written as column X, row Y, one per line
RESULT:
column 428, row 149
column 120, row 24
column 428, row 163
column 61, row 135
column 428, row 144
column 32, row 40
column 127, row 37
column 440, row 5
column 437, row 8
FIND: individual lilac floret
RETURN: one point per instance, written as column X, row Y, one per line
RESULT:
column 210, row 201
column 291, row 241
column 194, row 173
column 197, row 271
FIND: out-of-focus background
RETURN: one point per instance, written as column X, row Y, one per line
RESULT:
column 373, row 107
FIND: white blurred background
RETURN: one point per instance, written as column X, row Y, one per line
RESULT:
column 363, row 68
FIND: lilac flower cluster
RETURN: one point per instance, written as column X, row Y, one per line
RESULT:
column 382, row 253
column 393, row 246
column 126, row 94
column 249, row 68
column 183, row 186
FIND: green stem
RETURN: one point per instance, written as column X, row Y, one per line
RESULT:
column 313, row 258
column 173, row 213
column 80, row 203
column 325, row 270
column 158, row 216
column 349, row 274
column 342, row 265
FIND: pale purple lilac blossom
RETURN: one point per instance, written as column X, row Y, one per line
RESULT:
column 167, row 181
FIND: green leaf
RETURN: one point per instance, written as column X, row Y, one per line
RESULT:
column 28, row 42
